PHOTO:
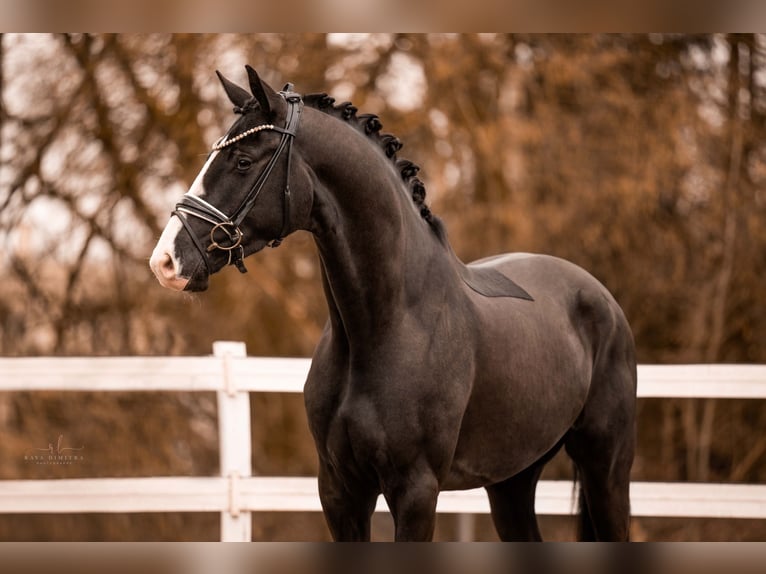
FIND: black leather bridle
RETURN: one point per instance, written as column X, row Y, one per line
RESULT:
column 226, row 233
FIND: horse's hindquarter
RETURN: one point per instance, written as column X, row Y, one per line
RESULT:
column 533, row 367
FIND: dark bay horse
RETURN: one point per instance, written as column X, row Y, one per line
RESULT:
column 431, row 374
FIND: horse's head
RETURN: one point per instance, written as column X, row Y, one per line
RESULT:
column 242, row 199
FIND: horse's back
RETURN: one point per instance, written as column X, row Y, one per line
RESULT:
column 544, row 276
column 565, row 296
column 557, row 286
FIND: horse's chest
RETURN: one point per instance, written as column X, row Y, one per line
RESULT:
column 369, row 434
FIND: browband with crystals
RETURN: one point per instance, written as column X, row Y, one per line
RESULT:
column 223, row 142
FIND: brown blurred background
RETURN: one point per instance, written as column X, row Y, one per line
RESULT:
column 639, row 157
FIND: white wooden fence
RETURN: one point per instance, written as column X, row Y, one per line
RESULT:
column 236, row 493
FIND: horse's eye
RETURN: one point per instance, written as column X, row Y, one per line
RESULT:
column 243, row 164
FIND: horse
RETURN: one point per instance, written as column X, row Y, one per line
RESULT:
column 430, row 374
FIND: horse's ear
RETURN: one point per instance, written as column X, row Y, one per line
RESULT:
column 238, row 96
column 264, row 94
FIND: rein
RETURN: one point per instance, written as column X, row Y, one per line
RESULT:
column 226, row 228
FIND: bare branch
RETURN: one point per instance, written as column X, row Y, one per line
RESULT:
column 127, row 176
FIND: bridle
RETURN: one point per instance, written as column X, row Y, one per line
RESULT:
column 225, row 233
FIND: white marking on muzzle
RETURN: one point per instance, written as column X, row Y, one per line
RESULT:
column 163, row 261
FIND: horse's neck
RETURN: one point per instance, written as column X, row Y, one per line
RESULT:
column 377, row 252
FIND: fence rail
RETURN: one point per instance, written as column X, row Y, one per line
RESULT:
column 279, row 375
column 236, row 494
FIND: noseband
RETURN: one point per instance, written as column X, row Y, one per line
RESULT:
column 225, row 233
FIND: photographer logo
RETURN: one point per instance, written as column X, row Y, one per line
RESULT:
column 55, row 455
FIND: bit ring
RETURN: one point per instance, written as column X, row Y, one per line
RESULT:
column 235, row 235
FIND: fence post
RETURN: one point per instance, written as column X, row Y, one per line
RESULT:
column 234, row 442
column 466, row 527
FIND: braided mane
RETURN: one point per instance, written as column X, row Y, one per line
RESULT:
column 370, row 125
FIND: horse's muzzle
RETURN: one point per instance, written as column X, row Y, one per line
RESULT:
column 165, row 269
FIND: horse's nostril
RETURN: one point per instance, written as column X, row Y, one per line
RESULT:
column 163, row 266
column 167, row 268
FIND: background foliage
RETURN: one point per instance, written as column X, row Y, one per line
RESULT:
column 639, row 157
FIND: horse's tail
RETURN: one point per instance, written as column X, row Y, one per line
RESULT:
column 585, row 529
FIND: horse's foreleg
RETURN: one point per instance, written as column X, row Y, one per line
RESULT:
column 412, row 501
column 347, row 510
